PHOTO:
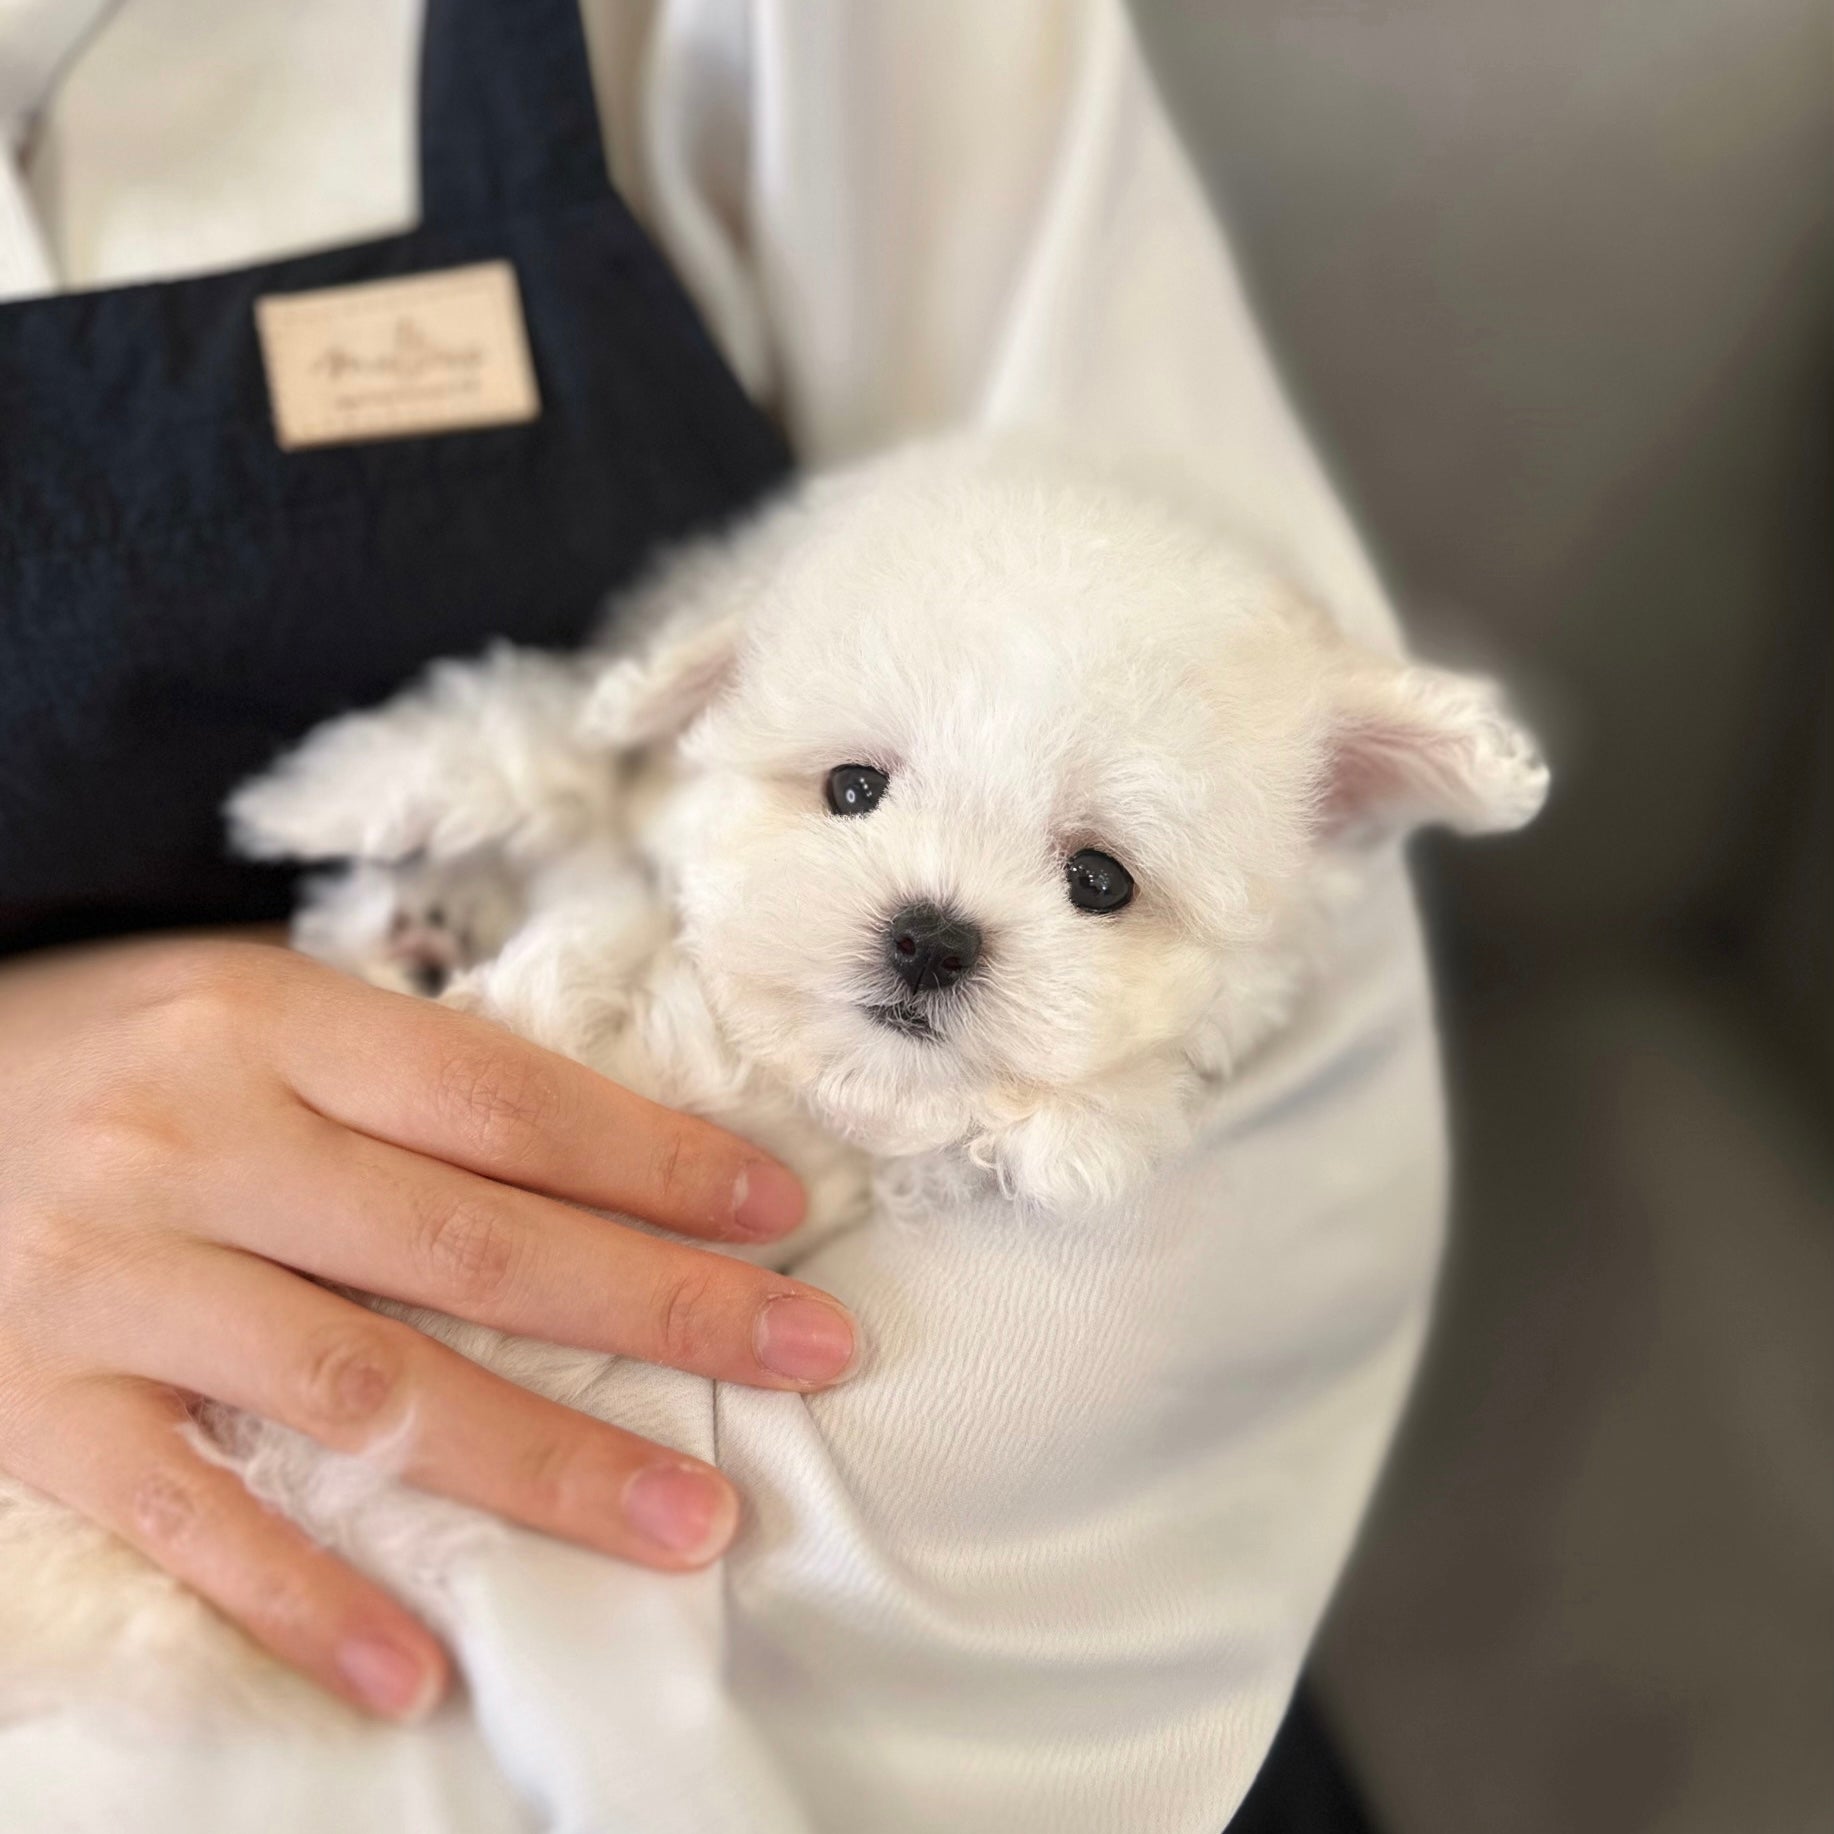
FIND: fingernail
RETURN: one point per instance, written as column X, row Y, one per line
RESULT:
column 766, row 1199
column 390, row 1679
column 681, row 1509
column 807, row 1340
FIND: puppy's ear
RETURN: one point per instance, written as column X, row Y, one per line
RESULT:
column 1409, row 745
column 676, row 642
column 658, row 692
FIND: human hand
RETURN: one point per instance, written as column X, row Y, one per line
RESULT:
column 190, row 1125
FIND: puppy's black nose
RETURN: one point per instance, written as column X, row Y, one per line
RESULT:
column 930, row 947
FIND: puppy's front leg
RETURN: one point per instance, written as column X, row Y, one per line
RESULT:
column 478, row 754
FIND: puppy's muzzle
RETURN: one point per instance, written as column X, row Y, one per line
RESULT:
column 930, row 948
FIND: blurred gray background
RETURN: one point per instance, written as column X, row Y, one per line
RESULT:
column 1553, row 282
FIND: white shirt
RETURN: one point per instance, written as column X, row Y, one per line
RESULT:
column 1053, row 1561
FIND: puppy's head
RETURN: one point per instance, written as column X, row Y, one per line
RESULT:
column 1008, row 798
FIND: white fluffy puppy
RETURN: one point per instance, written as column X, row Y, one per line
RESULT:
column 964, row 815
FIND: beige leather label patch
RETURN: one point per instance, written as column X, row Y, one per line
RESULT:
column 434, row 353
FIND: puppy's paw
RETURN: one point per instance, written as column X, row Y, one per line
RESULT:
column 414, row 927
column 425, row 949
column 476, row 754
column 1082, row 1153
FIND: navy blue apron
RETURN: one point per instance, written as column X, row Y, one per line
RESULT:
column 179, row 598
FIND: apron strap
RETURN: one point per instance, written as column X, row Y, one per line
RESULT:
column 507, row 120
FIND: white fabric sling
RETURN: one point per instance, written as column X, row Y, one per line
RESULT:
column 1052, row 1561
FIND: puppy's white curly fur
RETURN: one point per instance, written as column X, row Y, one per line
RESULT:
column 625, row 855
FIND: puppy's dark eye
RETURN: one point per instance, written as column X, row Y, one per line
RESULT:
column 855, row 789
column 1098, row 883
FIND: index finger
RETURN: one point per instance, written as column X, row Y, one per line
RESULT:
column 458, row 1088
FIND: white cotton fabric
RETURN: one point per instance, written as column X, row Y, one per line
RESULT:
column 1051, row 1562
